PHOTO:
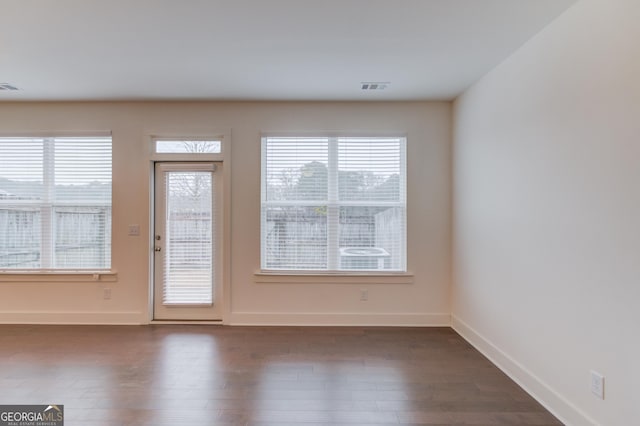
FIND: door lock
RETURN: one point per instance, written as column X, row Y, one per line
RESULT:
column 158, row 248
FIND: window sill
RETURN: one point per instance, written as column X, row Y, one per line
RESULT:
column 58, row 276
column 295, row 277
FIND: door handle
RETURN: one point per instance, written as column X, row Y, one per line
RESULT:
column 158, row 248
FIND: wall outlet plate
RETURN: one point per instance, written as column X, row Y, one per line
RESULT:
column 597, row 384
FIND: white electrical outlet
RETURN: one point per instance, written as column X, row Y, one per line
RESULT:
column 364, row 295
column 597, row 384
column 134, row 230
column 106, row 293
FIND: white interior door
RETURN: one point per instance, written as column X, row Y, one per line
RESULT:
column 188, row 249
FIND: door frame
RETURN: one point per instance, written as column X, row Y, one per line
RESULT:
column 223, row 157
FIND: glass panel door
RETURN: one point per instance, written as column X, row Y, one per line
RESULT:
column 187, row 215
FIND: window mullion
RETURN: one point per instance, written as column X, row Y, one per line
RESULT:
column 333, row 209
column 47, row 211
column 403, row 199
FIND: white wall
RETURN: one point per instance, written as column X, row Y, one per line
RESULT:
column 547, row 213
column 424, row 302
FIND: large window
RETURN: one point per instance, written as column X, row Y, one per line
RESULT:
column 55, row 203
column 333, row 204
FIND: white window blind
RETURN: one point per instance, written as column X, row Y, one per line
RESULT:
column 55, row 203
column 334, row 203
column 188, row 265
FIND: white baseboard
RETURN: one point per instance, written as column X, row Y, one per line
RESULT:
column 564, row 410
column 331, row 319
column 73, row 318
column 236, row 318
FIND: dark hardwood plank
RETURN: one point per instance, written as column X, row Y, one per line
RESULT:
column 212, row 375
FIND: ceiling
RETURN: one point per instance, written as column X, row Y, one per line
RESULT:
column 258, row 49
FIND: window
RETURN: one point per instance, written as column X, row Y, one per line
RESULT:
column 171, row 146
column 55, row 203
column 333, row 204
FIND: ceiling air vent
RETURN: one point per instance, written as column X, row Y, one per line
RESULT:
column 7, row 86
column 374, row 85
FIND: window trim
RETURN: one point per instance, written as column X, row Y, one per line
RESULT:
column 264, row 275
column 58, row 275
column 332, row 277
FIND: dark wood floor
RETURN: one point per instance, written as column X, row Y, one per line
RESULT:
column 181, row 375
